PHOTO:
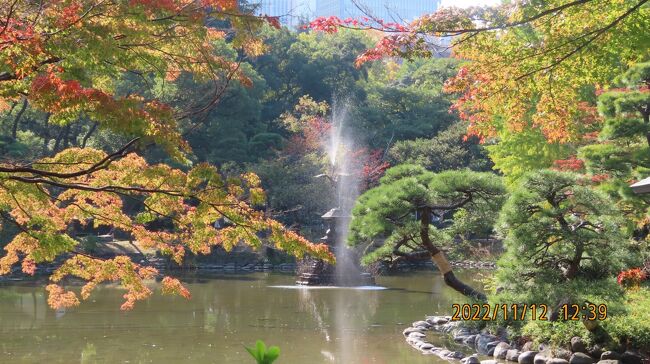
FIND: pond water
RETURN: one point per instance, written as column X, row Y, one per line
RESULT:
column 226, row 312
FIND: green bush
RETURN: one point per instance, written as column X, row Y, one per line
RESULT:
column 633, row 326
column 558, row 333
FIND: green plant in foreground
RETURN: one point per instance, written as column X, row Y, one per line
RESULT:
column 263, row 355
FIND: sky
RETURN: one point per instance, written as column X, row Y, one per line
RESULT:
column 468, row 3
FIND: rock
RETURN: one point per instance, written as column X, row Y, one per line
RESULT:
column 426, row 346
column 469, row 340
column 528, row 346
column 422, row 324
column 563, row 354
column 501, row 350
column 527, row 357
column 456, row 355
column 610, row 355
column 595, row 351
column 490, row 347
column 631, row 357
column 540, row 359
column 443, row 353
column 485, row 342
column 463, row 331
column 581, row 358
column 609, row 361
column 414, row 341
column 409, row 330
column 577, row 346
column 470, row 360
column 512, row 355
column 488, row 362
column 417, row 334
column 437, row 320
column 557, row 361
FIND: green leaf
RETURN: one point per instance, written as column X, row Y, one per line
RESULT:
column 254, row 354
column 272, row 354
column 261, row 349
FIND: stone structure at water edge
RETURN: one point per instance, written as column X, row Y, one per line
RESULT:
column 491, row 349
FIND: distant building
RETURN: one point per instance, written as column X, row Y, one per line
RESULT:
column 387, row 10
column 294, row 12
column 290, row 12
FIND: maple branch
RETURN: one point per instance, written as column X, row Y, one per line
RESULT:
column 9, row 14
column 456, row 32
column 576, row 50
column 102, row 164
column 6, row 76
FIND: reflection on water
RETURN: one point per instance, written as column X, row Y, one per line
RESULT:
column 226, row 312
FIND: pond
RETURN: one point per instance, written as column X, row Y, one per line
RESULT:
column 226, row 312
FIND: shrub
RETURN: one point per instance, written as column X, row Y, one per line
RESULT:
column 632, row 328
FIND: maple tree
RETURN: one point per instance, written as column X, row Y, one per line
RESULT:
column 66, row 58
column 530, row 64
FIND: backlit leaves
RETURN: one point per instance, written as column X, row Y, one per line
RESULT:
column 46, row 203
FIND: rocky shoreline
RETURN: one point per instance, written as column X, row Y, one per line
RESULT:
column 502, row 351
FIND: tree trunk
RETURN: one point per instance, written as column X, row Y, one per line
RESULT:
column 574, row 265
column 646, row 119
column 88, row 134
column 14, row 129
column 440, row 260
column 46, row 134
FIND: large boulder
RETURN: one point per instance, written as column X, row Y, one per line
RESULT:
column 581, row 358
column 527, row 357
column 577, row 346
column 501, row 350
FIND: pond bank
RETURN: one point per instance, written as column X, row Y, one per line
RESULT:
column 504, row 350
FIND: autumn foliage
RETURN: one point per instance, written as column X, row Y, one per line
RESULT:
column 528, row 67
column 65, row 58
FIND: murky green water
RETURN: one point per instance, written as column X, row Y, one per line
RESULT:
column 225, row 313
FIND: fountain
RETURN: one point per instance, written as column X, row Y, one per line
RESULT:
column 347, row 271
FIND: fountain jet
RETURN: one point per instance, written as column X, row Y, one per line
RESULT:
column 345, row 178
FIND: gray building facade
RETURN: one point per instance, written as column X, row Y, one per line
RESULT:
column 387, row 10
column 293, row 12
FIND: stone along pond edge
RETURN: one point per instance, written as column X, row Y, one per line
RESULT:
column 497, row 347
